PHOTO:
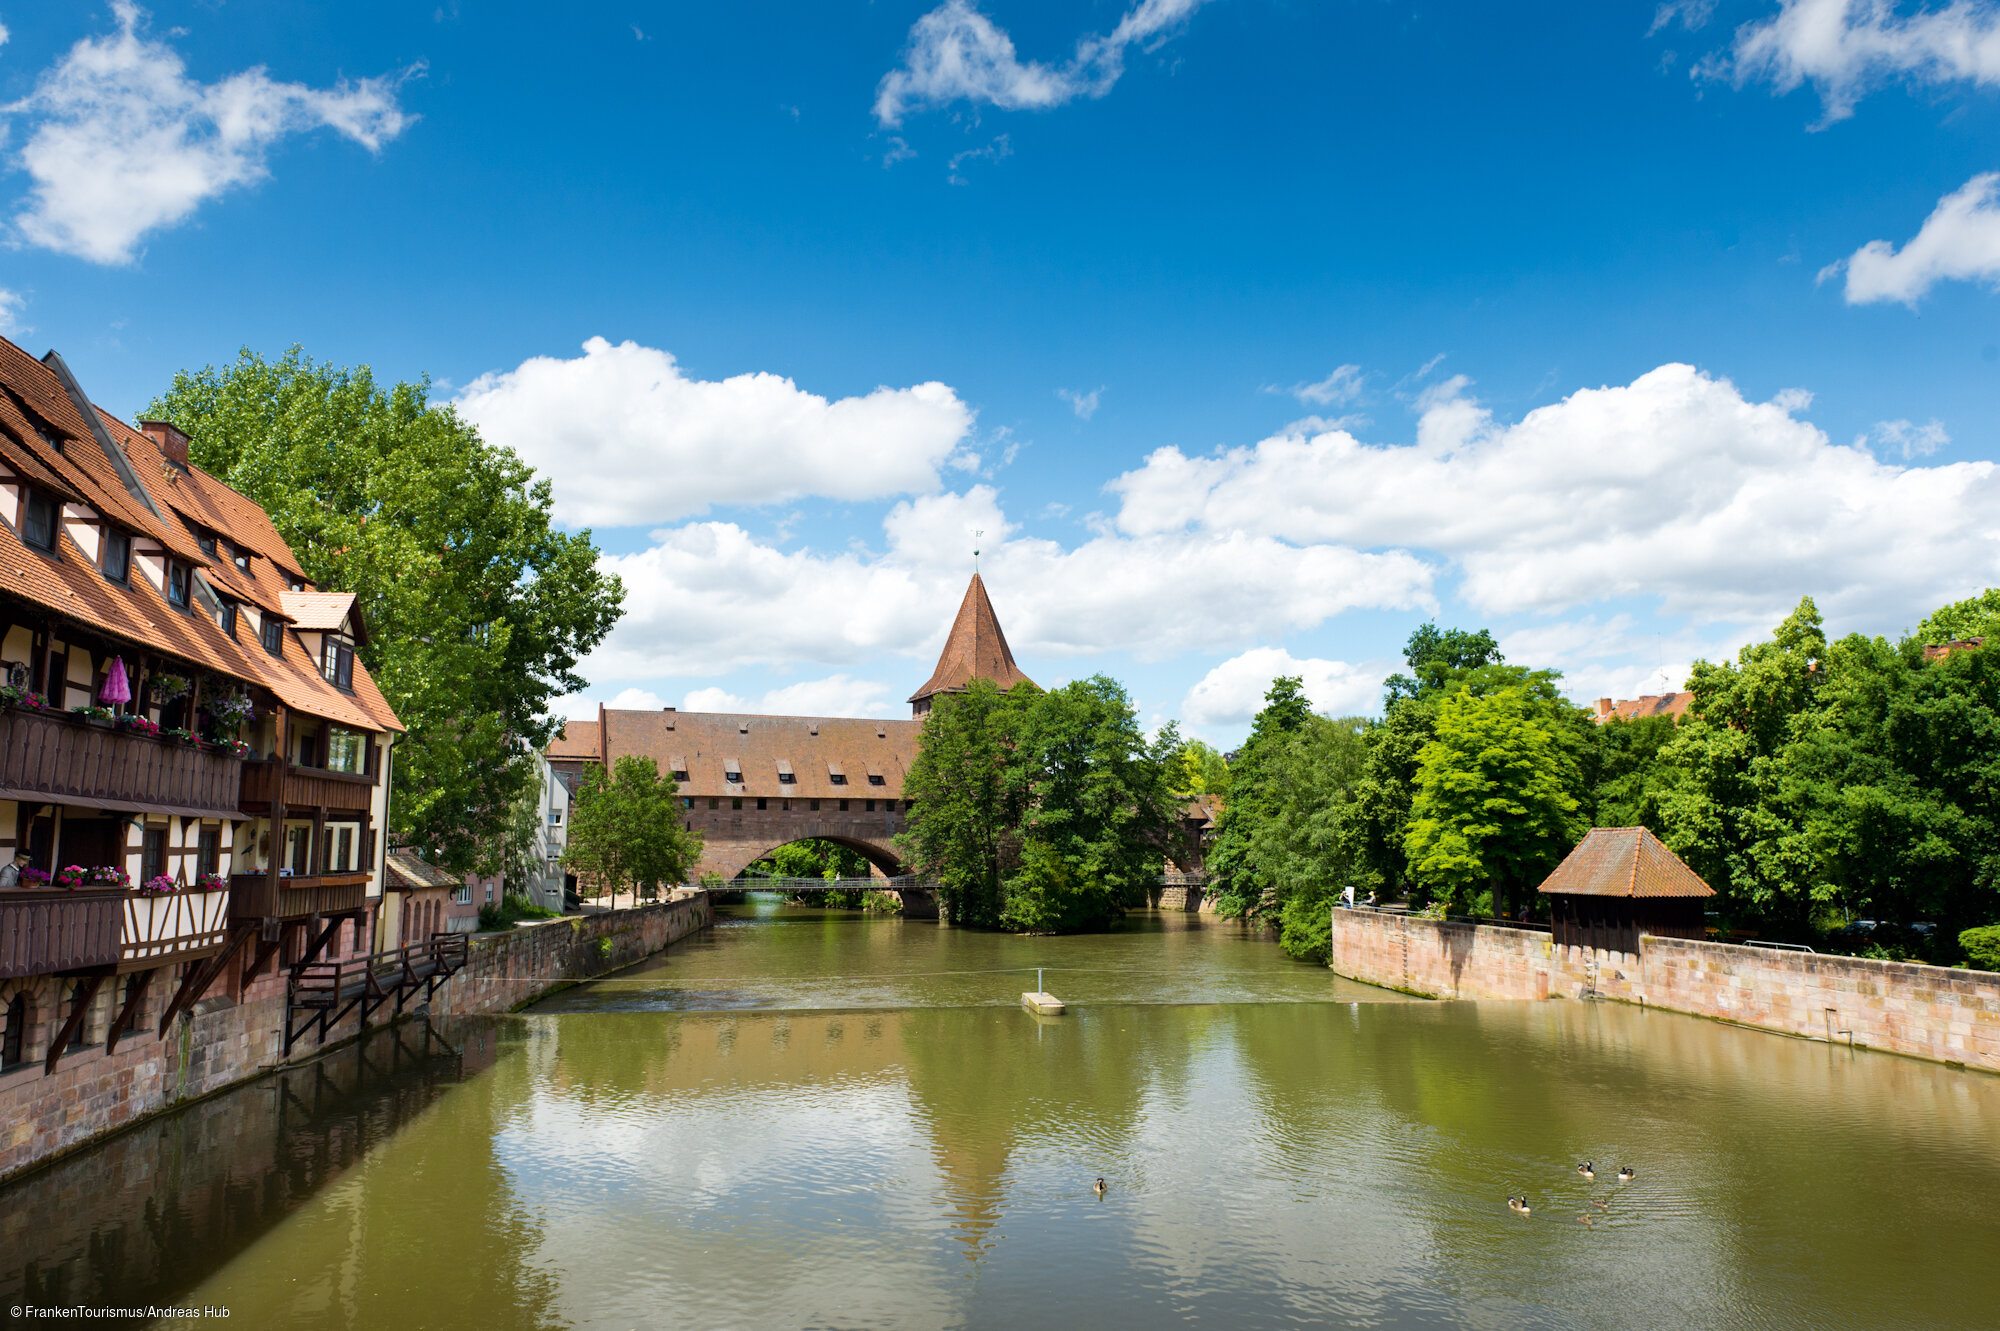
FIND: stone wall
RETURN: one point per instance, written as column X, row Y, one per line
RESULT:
column 226, row 1040
column 1926, row 1011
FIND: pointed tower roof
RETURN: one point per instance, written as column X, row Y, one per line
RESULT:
column 1624, row 862
column 976, row 649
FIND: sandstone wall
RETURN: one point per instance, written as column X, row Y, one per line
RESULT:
column 226, row 1041
column 1926, row 1011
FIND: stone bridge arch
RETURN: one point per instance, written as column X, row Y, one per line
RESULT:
column 736, row 840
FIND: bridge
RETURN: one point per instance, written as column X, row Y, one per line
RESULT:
column 919, row 895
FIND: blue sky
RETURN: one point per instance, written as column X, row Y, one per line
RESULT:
column 1250, row 333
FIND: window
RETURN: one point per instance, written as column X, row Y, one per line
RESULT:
column 736, row 802
column 812, row 806
column 462, row 894
column 843, row 806
column 177, row 584
column 38, row 522
column 242, row 562
column 153, row 854
column 126, row 1003
column 555, row 817
column 308, row 750
column 838, row 778
column 337, row 661
column 298, row 846
column 274, row 635
column 206, row 540
column 876, row 779
column 870, row 808
column 489, row 891
column 714, row 803
column 117, row 554
column 760, row 803
column 889, row 806
column 343, row 851
column 211, row 850
column 345, row 750
column 79, row 1001
column 229, row 618
column 14, row 1045
column 688, row 802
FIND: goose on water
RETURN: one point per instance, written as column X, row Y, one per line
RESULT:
column 1625, row 1175
column 1588, row 1169
column 1518, row 1204
column 1098, row 1187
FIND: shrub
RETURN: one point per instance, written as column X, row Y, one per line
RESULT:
column 1982, row 946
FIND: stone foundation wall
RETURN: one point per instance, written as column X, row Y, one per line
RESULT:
column 226, row 1041
column 1926, row 1011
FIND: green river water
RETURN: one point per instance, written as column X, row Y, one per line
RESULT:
column 814, row 1119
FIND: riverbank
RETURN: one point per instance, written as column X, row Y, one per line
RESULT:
column 226, row 1041
column 1948, row 1016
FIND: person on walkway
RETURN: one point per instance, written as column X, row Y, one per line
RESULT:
column 1347, row 896
column 10, row 875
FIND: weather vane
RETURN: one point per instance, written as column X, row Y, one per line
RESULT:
column 977, row 533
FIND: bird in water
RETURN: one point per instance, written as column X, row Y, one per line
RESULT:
column 1625, row 1175
column 1518, row 1204
column 1098, row 1187
column 1588, row 1169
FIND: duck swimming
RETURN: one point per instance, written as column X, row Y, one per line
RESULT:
column 1625, row 1175
column 1518, row 1204
column 1098, row 1187
column 1588, row 1169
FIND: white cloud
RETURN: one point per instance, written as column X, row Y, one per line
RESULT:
column 1672, row 487
column 626, row 437
column 12, row 303
column 1844, row 48
column 836, row 695
column 1233, row 692
column 123, row 142
column 1083, row 404
column 1906, row 439
column 955, row 53
column 1336, row 390
column 1959, row 241
column 708, row 597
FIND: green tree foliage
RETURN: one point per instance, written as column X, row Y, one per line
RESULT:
column 1974, row 617
column 478, row 608
column 1982, row 947
column 1240, row 881
column 626, row 832
column 1626, row 779
column 815, row 858
column 1040, row 812
column 1495, row 807
column 1200, row 770
column 519, row 857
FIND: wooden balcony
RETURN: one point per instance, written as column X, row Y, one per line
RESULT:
column 303, row 788
column 255, row 897
column 174, row 927
column 56, row 756
column 44, row 931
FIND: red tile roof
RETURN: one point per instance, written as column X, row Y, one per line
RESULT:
column 578, row 740
column 706, row 745
column 1649, row 704
column 975, row 649
column 1623, row 862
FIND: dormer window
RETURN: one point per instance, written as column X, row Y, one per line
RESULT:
column 38, row 521
column 177, row 584
column 229, row 618
column 337, row 661
column 117, row 554
column 274, row 635
column 206, row 540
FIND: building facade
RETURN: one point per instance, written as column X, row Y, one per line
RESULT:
column 194, row 765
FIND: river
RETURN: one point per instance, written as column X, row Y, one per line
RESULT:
column 807, row 1118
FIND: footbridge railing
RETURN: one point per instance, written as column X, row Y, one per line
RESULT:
column 751, row 882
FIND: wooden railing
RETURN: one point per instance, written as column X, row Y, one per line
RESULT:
column 303, row 788
column 43, row 931
column 59, row 756
column 176, row 926
column 253, row 896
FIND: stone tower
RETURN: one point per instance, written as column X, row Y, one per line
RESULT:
column 976, row 649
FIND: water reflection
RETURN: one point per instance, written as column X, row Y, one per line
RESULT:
column 149, row 1214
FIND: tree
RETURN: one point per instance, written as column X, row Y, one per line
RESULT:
column 814, row 858
column 1096, row 801
column 1200, row 770
column 1240, row 880
column 522, row 863
column 1495, row 806
column 1039, row 812
column 627, row 832
column 1974, row 617
column 478, row 609
column 960, row 829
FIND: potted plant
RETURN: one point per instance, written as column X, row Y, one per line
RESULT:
column 211, row 882
column 70, row 878
column 239, row 748
column 181, row 737
column 166, row 688
column 92, row 712
column 229, row 713
column 137, row 724
column 106, row 875
column 13, row 695
column 33, row 877
column 159, row 885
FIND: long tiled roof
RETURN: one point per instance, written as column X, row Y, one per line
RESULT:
column 1624, row 862
column 409, row 873
column 579, row 740
column 975, row 649
column 68, row 583
column 1648, row 704
column 815, row 749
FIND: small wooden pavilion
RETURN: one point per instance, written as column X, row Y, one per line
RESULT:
column 1618, row 883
